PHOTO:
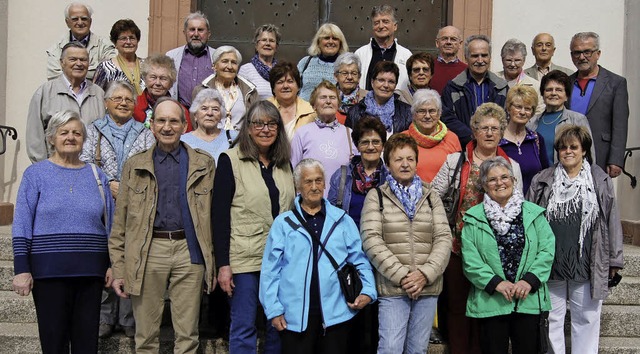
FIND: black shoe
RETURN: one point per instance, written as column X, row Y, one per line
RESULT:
column 435, row 337
column 129, row 331
column 105, row 330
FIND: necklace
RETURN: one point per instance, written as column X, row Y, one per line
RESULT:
column 479, row 158
column 518, row 141
column 553, row 121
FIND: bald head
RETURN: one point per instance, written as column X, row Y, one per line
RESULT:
column 448, row 42
column 543, row 48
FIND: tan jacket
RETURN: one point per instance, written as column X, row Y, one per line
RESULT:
column 397, row 245
column 304, row 114
column 136, row 208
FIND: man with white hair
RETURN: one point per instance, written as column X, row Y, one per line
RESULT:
column 77, row 16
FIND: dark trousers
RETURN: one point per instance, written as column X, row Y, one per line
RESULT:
column 461, row 331
column 68, row 311
column 315, row 339
column 496, row 331
column 363, row 335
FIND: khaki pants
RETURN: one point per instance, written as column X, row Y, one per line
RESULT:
column 169, row 264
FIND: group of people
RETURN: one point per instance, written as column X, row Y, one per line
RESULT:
column 475, row 198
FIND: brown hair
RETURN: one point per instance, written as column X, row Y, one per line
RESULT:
column 398, row 141
column 580, row 133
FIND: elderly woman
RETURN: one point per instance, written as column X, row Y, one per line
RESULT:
column 555, row 88
column 420, row 70
column 60, row 253
column 405, row 234
column 252, row 187
column 266, row 39
column 581, row 209
column 159, row 73
column 125, row 66
column 299, row 286
column 520, row 143
column 237, row 92
column 326, row 140
column 435, row 141
column 382, row 102
column 206, row 111
column 458, row 185
column 110, row 141
column 285, row 84
column 326, row 45
column 514, row 55
column 347, row 70
column 507, row 251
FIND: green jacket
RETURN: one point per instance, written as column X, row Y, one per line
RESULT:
column 482, row 265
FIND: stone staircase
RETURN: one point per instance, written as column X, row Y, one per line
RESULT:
column 619, row 334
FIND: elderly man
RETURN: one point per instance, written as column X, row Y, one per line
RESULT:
column 471, row 88
column 71, row 90
column 543, row 47
column 514, row 54
column 448, row 65
column 161, row 236
column 194, row 60
column 602, row 96
column 78, row 18
column 383, row 46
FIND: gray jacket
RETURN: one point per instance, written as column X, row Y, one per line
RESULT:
column 606, row 247
column 533, row 70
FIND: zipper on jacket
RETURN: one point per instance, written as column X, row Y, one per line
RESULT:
column 304, row 296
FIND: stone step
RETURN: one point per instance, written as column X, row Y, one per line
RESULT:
column 620, row 321
column 631, row 261
column 626, row 293
column 16, row 309
column 6, row 250
column 619, row 345
column 6, row 275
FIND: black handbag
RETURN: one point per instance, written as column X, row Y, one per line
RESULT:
column 348, row 275
column 543, row 329
column 451, row 198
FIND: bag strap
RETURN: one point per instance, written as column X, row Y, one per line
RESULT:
column 306, row 64
column 98, row 154
column 349, row 142
column 101, row 188
column 380, row 199
column 228, row 133
column 316, row 239
column 343, row 181
column 461, row 160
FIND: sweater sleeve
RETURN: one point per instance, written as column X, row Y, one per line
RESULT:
column 224, row 188
column 26, row 203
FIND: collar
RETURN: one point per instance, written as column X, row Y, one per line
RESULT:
column 84, row 41
column 162, row 156
column 443, row 60
column 203, row 52
column 307, row 216
column 375, row 45
column 471, row 79
column 68, row 85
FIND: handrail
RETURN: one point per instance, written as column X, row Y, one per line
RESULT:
column 4, row 131
column 629, row 152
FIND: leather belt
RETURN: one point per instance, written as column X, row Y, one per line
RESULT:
column 170, row 235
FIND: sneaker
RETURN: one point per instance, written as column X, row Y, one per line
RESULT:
column 105, row 330
column 129, row 331
column 435, row 337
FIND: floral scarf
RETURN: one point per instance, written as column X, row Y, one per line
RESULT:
column 384, row 112
column 501, row 218
column 567, row 194
column 348, row 101
column 428, row 141
column 333, row 124
column 361, row 182
column 408, row 196
column 262, row 68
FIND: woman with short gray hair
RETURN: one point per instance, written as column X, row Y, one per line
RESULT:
column 347, row 70
column 266, row 40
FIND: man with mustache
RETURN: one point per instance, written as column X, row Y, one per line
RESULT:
column 448, row 65
column 471, row 88
column 194, row 60
column 602, row 96
column 543, row 47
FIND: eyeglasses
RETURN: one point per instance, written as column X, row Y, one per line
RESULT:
column 504, row 179
column 448, row 39
column 153, row 78
column 348, row 73
column 267, row 40
column 423, row 112
column 575, row 54
column 382, row 81
column 416, row 70
column 365, row 143
column 259, row 125
column 520, row 108
column 513, row 61
column 119, row 100
column 131, row 39
column 487, row 129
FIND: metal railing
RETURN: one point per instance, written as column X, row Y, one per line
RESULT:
column 629, row 152
column 4, row 132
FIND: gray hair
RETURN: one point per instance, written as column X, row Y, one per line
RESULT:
column 203, row 96
column 426, row 96
column 116, row 84
column 584, row 36
column 68, row 7
column 196, row 15
column 73, row 44
column 57, row 120
column 347, row 58
column 183, row 116
column 475, row 37
column 271, row 28
column 303, row 165
column 159, row 60
column 328, row 29
column 384, row 10
column 224, row 50
column 491, row 163
column 513, row 46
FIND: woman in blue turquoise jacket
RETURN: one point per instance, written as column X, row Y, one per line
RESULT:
column 507, row 253
column 299, row 287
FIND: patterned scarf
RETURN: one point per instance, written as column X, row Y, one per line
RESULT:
column 567, row 194
column 333, row 124
column 348, row 101
column 133, row 75
column 428, row 141
column 501, row 218
column 408, row 196
column 262, row 68
column 119, row 134
column 361, row 182
column 384, row 112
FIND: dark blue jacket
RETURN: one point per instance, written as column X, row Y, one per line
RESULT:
column 402, row 116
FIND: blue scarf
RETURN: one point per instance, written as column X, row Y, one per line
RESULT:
column 408, row 196
column 385, row 112
column 119, row 134
column 262, row 68
column 333, row 124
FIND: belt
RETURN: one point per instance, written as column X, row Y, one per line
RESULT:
column 170, row 235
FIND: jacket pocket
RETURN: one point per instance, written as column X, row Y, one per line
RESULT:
column 203, row 198
column 247, row 240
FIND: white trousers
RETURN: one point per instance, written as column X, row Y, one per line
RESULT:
column 585, row 317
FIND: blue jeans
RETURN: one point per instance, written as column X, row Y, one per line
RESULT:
column 244, row 306
column 405, row 324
